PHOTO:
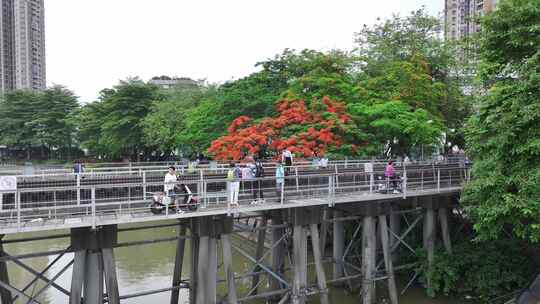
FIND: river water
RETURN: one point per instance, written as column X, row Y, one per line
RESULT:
column 150, row 266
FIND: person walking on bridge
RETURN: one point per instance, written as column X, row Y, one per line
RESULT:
column 233, row 183
column 280, row 179
column 287, row 158
column 389, row 174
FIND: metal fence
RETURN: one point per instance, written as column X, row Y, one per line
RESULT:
column 208, row 167
column 68, row 200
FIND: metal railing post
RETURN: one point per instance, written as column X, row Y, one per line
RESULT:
column 330, row 181
column 18, row 206
column 200, row 188
column 422, row 180
column 144, row 184
column 438, row 180
column 282, row 194
column 204, row 196
column 404, row 183
column 371, row 181
column 297, row 183
column 93, row 197
column 78, row 189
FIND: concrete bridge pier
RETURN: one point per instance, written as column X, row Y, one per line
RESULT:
column 375, row 229
column 93, row 262
column 304, row 221
column 338, row 245
column 207, row 231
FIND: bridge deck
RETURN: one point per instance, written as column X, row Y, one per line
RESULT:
column 147, row 216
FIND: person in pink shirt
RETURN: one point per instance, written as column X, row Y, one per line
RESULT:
column 389, row 174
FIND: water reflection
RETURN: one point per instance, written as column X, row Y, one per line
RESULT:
column 150, row 266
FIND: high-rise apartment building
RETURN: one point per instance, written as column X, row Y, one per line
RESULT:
column 459, row 16
column 22, row 45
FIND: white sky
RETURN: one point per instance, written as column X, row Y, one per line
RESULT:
column 90, row 45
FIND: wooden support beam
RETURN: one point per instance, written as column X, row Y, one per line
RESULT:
column 111, row 280
column 202, row 271
column 338, row 248
column 368, row 260
column 300, row 265
column 443, row 218
column 324, row 231
column 229, row 272
column 317, row 256
column 77, row 277
column 429, row 238
column 259, row 251
column 178, row 263
column 194, row 278
column 93, row 280
column 278, row 251
column 388, row 264
column 211, row 282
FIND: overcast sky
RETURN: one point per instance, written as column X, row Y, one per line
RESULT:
column 91, row 45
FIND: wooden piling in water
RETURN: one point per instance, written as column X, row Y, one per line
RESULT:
column 261, row 237
column 368, row 260
column 429, row 238
column 300, row 265
column 178, row 264
column 278, row 251
column 445, row 232
column 193, row 277
column 229, row 272
column 388, row 264
column 317, row 257
column 338, row 246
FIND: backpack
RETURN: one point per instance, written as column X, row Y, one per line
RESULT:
column 230, row 174
column 259, row 170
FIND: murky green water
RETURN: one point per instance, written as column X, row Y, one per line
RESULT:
column 149, row 267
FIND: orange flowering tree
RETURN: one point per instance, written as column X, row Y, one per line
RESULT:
column 322, row 127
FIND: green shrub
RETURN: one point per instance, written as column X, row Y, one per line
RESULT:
column 483, row 270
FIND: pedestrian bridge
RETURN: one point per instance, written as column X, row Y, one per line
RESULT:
column 314, row 202
column 61, row 201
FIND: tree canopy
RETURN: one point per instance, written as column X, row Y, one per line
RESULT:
column 503, row 136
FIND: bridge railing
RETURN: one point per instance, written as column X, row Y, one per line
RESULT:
column 100, row 168
column 127, row 198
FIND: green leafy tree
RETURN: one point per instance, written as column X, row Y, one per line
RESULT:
column 394, row 128
column 167, row 118
column 17, row 111
column 406, row 57
column 31, row 120
column 503, row 137
column 307, row 74
column 115, row 123
column 54, row 126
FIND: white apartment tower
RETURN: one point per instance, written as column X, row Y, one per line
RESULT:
column 459, row 16
column 22, row 45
